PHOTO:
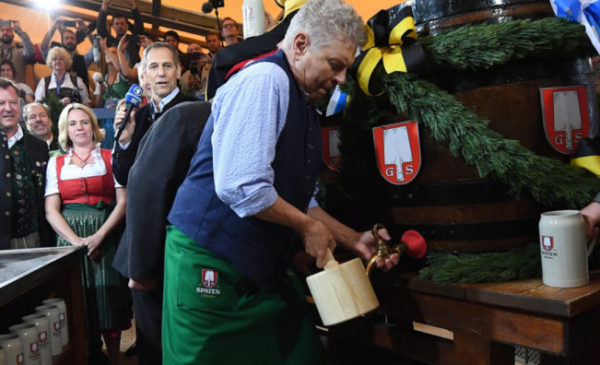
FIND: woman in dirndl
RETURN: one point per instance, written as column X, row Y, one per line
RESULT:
column 86, row 207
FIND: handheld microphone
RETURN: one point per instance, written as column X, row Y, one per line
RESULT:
column 207, row 7
column 97, row 76
column 133, row 98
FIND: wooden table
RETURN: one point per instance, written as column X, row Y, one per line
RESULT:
column 487, row 320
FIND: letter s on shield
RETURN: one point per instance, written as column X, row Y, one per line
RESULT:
column 565, row 115
column 398, row 151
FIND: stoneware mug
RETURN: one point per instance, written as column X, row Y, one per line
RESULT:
column 62, row 316
column 564, row 249
column 2, row 356
column 29, row 336
column 51, row 313
column 41, row 324
column 13, row 349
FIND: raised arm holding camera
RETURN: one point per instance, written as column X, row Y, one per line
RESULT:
column 193, row 81
column 18, row 53
column 120, row 24
column 69, row 40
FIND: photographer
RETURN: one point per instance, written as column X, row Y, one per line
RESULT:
column 19, row 54
column 193, row 81
column 69, row 40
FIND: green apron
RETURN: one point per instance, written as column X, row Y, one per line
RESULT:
column 212, row 314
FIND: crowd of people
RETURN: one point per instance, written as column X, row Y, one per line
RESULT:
column 194, row 215
column 58, row 183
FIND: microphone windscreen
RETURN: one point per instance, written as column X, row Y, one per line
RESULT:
column 97, row 76
column 134, row 95
column 207, row 7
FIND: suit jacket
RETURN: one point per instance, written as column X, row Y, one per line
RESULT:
column 37, row 154
column 122, row 160
column 160, row 167
column 54, row 145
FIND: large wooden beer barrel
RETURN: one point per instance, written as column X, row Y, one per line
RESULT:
column 448, row 203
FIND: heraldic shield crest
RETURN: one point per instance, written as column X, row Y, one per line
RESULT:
column 566, row 116
column 209, row 278
column 331, row 152
column 398, row 151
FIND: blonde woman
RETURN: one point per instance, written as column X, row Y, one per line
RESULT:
column 86, row 207
column 67, row 87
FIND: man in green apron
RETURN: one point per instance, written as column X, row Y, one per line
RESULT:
column 246, row 205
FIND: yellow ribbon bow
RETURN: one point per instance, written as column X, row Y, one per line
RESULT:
column 388, row 31
column 289, row 6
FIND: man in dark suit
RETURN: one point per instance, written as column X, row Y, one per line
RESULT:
column 161, row 66
column 170, row 144
column 160, row 63
column 23, row 168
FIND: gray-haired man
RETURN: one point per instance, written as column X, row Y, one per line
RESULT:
column 246, row 200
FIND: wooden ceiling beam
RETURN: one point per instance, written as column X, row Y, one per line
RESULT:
column 153, row 30
column 168, row 17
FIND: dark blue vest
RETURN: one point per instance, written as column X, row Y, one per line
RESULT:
column 259, row 249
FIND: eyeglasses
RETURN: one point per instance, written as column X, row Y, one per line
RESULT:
column 229, row 25
column 39, row 116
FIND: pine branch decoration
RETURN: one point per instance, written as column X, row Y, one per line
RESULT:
column 485, row 46
column 519, row 263
column 549, row 181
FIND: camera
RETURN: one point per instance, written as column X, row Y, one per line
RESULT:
column 75, row 96
column 69, row 23
column 210, row 5
column 218, row 3
column 4, row 23
column 196, row 58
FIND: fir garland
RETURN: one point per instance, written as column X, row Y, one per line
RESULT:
column 518, row 263
column 547, row 180
column 485, row 46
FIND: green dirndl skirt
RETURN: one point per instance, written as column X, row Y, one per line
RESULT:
column 106, row 295
column 212, row 316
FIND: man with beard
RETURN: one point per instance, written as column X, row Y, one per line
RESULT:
column 24, row 160
column 39, row 124
column 19, row 54
column 69, row 42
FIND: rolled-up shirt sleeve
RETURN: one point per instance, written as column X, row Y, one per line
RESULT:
column 248, row 123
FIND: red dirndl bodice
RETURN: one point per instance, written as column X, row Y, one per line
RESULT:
column 88, row 190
